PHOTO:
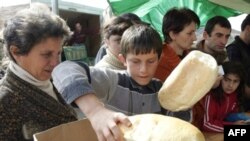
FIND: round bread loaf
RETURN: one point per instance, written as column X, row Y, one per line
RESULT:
column 189, row 81
column 154, row 127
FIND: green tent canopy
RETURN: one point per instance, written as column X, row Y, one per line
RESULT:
column 152, row 11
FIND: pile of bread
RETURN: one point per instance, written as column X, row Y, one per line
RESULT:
column 185, row 86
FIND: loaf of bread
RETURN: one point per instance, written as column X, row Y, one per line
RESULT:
column 189, row 81
column 154, row 127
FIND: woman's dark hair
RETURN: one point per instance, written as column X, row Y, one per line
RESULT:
column 231, row 67
column 176, row 19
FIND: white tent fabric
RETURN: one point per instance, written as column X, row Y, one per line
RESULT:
column 236, row 21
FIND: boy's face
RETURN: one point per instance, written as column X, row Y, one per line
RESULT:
column 141, row 67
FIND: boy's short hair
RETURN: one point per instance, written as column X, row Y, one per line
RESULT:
column 141, row 39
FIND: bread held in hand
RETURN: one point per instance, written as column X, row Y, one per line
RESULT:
column 189, row 81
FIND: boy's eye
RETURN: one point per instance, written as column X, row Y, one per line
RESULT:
column 46, row 55
column 151, row 61
column 135, row 62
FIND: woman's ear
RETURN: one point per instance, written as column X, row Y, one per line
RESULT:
column 122, row 59
column 172, row 35
column 14, row 52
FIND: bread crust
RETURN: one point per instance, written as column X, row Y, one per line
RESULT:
column 154, row 127
column 189, row 81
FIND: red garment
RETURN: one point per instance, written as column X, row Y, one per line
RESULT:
column 198, row 112
column 78, row 38
column 168, row 61
column 215, row 113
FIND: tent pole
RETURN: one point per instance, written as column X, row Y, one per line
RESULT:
column 54, row 6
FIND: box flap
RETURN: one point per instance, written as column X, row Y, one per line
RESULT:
column 74, row 131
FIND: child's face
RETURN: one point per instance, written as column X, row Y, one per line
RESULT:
column 141, row 67
column 114, row 44
column 230, row 83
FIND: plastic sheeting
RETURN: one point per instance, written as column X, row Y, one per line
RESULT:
column 152, row 11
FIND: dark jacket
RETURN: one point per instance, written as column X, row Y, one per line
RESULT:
column 25, row 109
column 233, row 49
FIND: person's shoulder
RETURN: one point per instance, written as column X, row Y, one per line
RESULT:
column 7, row 95
column 235, row 43
column 166, row 47
column 156, row 82
column 70, row 66
column 200, row 45
column 4, row 91
column 231, row 45
column 102, row 64
column 107, row 72
column 168, row 52
column 64, row 64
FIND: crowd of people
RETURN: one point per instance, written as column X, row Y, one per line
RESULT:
column 126, row 78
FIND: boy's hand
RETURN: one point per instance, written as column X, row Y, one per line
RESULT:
column 105, row 124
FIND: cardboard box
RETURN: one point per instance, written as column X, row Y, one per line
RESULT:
column 74, row 131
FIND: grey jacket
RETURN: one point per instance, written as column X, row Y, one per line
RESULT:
column 116, row 88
